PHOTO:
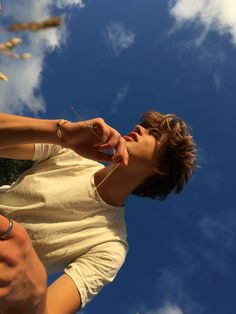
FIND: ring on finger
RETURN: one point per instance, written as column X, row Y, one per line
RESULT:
column 7, row 233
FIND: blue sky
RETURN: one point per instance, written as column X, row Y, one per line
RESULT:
column 117, row 60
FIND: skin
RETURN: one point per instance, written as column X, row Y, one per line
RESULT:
column 16, row 256
column 136, row 153
column 143, row 155
column 18, row 134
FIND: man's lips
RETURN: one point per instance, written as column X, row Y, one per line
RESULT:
column 131, row 137
column 128, row 138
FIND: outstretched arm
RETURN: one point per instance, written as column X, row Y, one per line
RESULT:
column 85, row 137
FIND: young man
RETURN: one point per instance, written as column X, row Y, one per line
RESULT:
column 73, row 207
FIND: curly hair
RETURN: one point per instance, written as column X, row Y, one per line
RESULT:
column 177, row 155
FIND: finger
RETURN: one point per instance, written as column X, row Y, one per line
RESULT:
column 101, row 129
column 17, row 232
column 112, row 141
column 4, row 281
column 5, row 227
column 7, row 256
column 121, row 154
column 98, row 134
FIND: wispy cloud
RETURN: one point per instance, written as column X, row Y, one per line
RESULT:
column 215, row 15
column 219, row 231
column 172, row 287
column 122, row 93
column 168, row 308
column 23, row 89
column 173, row 292
column 118, row 38
column 220, row 228
column 209, row 251
column 217, row 81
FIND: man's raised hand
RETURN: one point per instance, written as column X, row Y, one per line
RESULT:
column 96, row 140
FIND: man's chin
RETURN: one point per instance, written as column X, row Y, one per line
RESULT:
column 129, row 147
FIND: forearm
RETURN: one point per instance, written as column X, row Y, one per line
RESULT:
column 86, row 138
column 16, row 130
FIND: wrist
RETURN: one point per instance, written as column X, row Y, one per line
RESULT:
column 70, row 132
column 60, row 132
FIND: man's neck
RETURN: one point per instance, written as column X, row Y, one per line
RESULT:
column 118, row 185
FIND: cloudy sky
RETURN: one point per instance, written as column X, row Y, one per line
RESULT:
column 117, row 60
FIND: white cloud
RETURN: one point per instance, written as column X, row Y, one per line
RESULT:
column 23, row 88
column 219, row 230
column 167, row 309
column 118, row 37
column 217, row 81
column 122, row 93
column 26, row 10
column 172, row 286
column 216, row 15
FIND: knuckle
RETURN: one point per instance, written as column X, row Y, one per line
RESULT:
column 4, row 292
column 10, row 258
column 121, row 140
column 22, row 232
column 10, row 276
column 22, row 237
column 117, row 140
column 118, row 136
column 13, row 260
column 100, row 120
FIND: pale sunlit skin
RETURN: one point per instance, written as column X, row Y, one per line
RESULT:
column 142, row 147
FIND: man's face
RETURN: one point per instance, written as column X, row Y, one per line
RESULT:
column 142, row 147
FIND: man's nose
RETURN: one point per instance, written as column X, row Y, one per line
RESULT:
column 139, row 129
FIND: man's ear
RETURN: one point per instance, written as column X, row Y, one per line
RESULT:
column 159, row 171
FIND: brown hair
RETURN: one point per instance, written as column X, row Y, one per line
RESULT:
column 177, row 155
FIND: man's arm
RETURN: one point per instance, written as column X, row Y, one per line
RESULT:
column 86, row 138
column 63, row 297
column 15, row 130
column 85, row 277
column 22, row 151
column 23, row 288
